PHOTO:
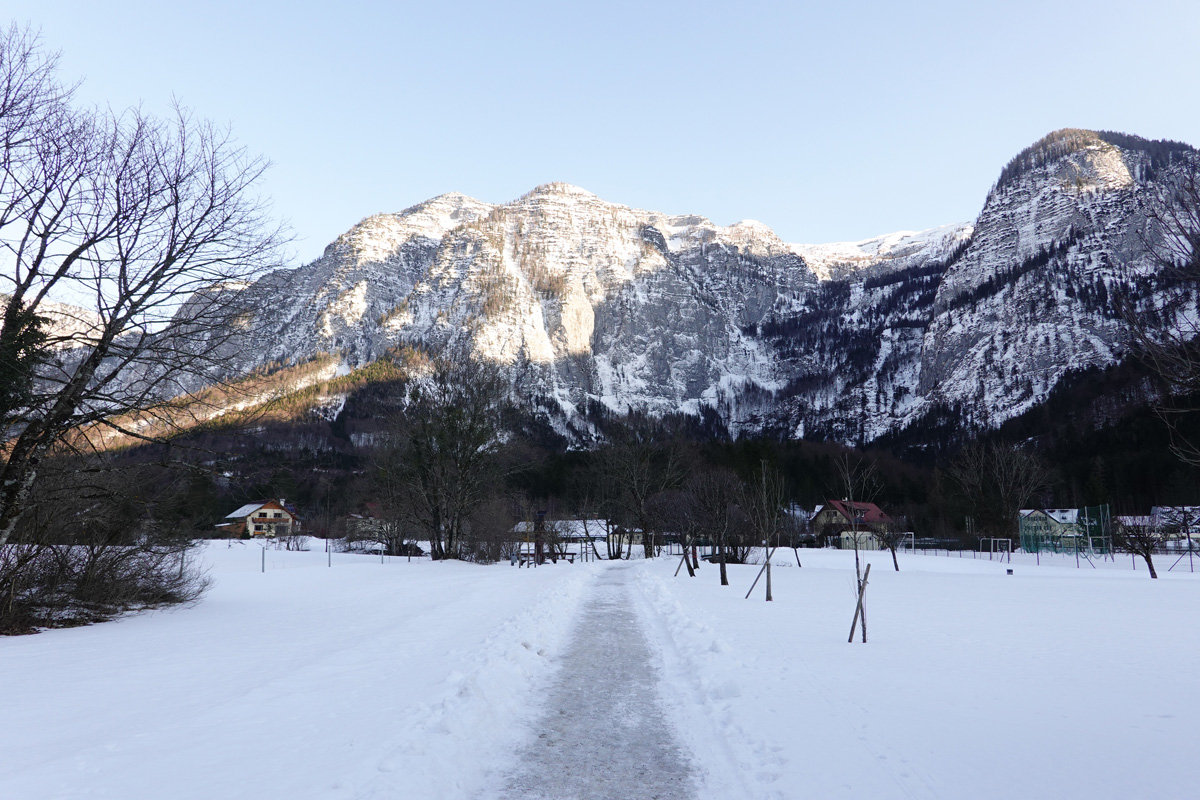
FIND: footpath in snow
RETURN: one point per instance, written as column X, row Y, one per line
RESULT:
column 603, row 735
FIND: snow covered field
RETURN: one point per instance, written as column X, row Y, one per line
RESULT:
column 420, row 680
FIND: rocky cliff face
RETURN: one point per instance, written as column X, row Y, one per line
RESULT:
column 591, row 302
column 586, row 301
column 989, row 326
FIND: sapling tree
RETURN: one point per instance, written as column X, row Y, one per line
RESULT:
column 859, row 482
column 763, row 499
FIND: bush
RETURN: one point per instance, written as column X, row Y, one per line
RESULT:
column 62, row 585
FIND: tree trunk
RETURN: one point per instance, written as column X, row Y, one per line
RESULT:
column 895, row 563
column 1150, row 564
column 721, row 556
column 769, row 598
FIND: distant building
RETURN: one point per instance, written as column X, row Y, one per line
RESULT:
column 840, row 522
column 269, row 518
column 1181, row 522
column 1176, row 527
column 1064, row 530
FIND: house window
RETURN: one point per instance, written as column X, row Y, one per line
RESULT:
column 258, row 527
column 262, row 515
column 278, row 515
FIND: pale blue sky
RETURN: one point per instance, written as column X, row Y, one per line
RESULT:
column 827, row 121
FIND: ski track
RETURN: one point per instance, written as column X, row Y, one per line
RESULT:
column 604, row 734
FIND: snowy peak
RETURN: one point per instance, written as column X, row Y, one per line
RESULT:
column 836, row 260
column 378, row 237
column 1091, row 160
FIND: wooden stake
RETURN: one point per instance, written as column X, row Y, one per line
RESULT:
column 685, row 555
column 859, row 610
column 760, row 574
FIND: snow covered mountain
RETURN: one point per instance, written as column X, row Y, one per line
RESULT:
column 589, row 302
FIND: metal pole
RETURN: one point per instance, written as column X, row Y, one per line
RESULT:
column 264, row 560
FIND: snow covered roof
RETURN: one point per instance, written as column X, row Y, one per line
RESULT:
column 280, row 504
column 1063, row 516
column 245, row 511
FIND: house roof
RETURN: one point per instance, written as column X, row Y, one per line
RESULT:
column 1067, row 516
column 245, row 511
column 863, row 512
column 1063, row 516
column 250, row 508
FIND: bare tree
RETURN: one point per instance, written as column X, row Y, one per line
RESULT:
column 148, row 230
column 892, row 536
column 445, row 449
column 715, row 494
column 1137, row 539
column 996, row 481
column 675, row 509
column 639, row 462
column 599, row 502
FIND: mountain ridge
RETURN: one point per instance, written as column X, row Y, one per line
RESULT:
column 591, row 302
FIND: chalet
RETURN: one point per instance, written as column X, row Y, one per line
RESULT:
column 841, row 521
column 270, row 518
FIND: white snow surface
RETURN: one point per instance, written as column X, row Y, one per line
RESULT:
column 422, row 680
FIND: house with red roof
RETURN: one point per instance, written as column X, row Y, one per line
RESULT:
column 839, row 522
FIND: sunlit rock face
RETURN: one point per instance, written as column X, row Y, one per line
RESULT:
column 587, row 301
